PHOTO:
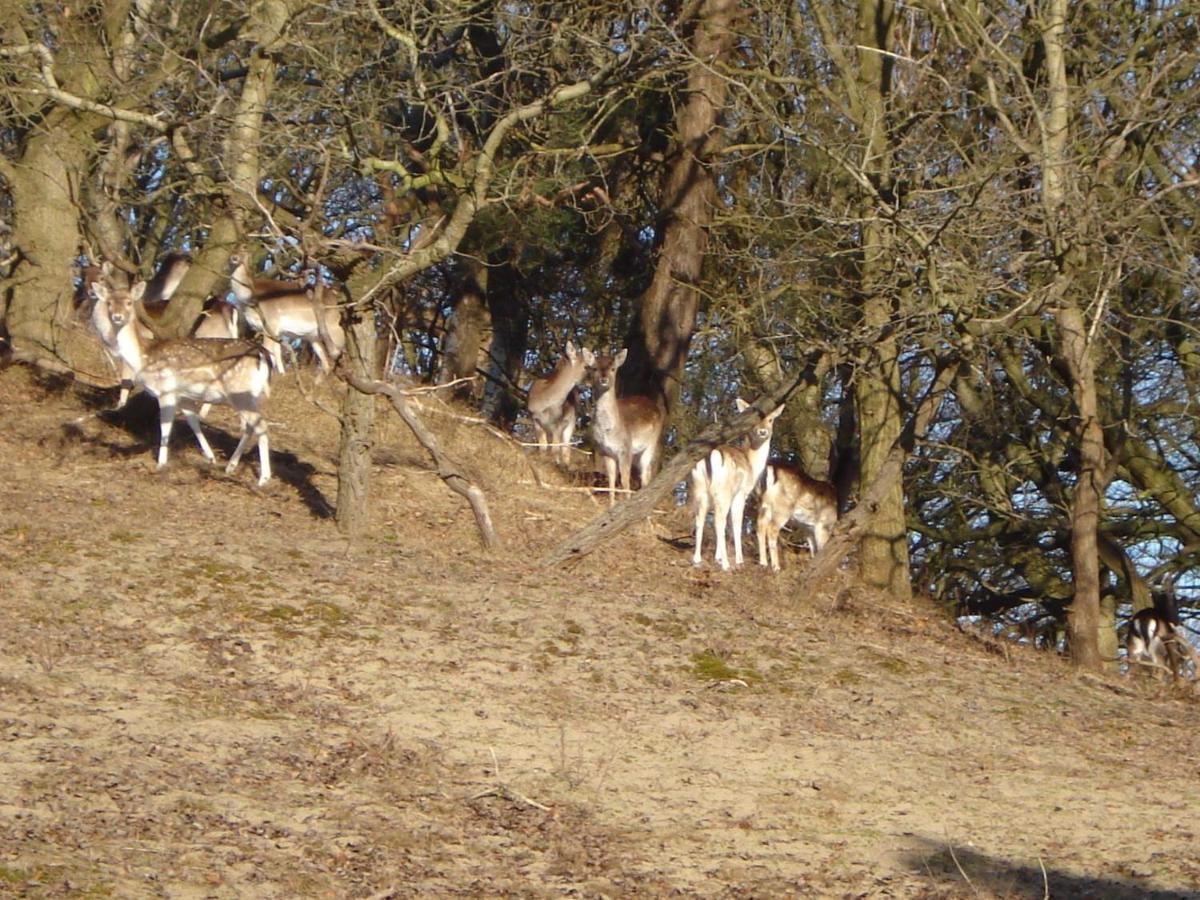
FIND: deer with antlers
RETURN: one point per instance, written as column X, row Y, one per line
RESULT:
column 283, row 310
column 723, row 480
column 189, row 373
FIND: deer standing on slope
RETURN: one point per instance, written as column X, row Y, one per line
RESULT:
column 1153, row 638
column 792, row 496
column 188, row 372
column 282, row 310
column 625, row 429
column 724, row 479
column 554, row 400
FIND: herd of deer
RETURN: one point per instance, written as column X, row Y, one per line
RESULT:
column 215, row 365
column 627, row 430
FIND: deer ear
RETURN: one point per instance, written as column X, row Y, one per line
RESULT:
column 137, row 291
column 572, row 353
column 741, row 404
column 774, row 414
column 99, row 291
column 619, row 359
column 589, row 358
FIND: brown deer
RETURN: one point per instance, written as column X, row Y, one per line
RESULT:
column 724, row 479
column 190, row 372
column 625, row 429
column 553, row 401
column 792, row 496
column 283, row 310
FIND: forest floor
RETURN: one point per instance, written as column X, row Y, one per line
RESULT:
column 206, row 691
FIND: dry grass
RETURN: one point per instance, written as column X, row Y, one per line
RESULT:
column 206, row 691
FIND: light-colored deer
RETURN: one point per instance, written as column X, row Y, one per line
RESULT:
column 724, row 479
column 792, row 496
column 554, row 400
column 282, row 310
column 220, row 322
column 625, row 429
column 185, row 373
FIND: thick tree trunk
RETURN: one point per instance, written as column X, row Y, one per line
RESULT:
column 47, row 218
column 663, row 333
column 1087, row 498
column 883, row 556
column 468, row 332
column 510, row 339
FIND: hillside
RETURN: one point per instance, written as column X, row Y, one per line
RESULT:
column 205, row 691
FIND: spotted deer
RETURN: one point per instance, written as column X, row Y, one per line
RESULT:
column 187, row 373
column 625, row 429
column 220, row 322
column 792, row 496
column 553, row 401
column 283, row 310
column 723, row 480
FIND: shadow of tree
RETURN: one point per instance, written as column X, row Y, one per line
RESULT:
column 953, row 865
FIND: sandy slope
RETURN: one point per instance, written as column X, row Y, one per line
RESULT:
column 206, row 692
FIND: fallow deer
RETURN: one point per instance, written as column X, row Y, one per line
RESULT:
column 1153, row 638
column 170, row 272
column 625, row 429
column 191, row 371
column 724, row 479
column 553, row 401
column 792, row 496
column 220, row 322
column 283, row 310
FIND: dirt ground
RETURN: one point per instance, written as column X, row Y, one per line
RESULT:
column 206, row 691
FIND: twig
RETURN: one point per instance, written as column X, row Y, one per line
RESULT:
column 500, row 789
column 961, row 871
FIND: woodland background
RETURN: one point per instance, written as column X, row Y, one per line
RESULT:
column 959, row 236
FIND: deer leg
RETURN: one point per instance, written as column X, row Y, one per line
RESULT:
column 700, row 495
column 194, row 421
column 610, row 469
column 564, row 451
column 166, row 419
column 720, row 516
column 276, row 352
column 736, row 513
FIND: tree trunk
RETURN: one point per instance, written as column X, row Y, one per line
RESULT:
column 883, row 556
column 468, row 332
column 662, row 335
column 1090, row 484
column 510, row 339
column 358, row 423
column 44, row 187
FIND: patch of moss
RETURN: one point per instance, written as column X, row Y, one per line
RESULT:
column 846, row 677
column 711, row 666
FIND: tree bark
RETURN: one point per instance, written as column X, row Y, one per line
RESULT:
column 883, row 555
column 663, row 332
column 358, row 424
